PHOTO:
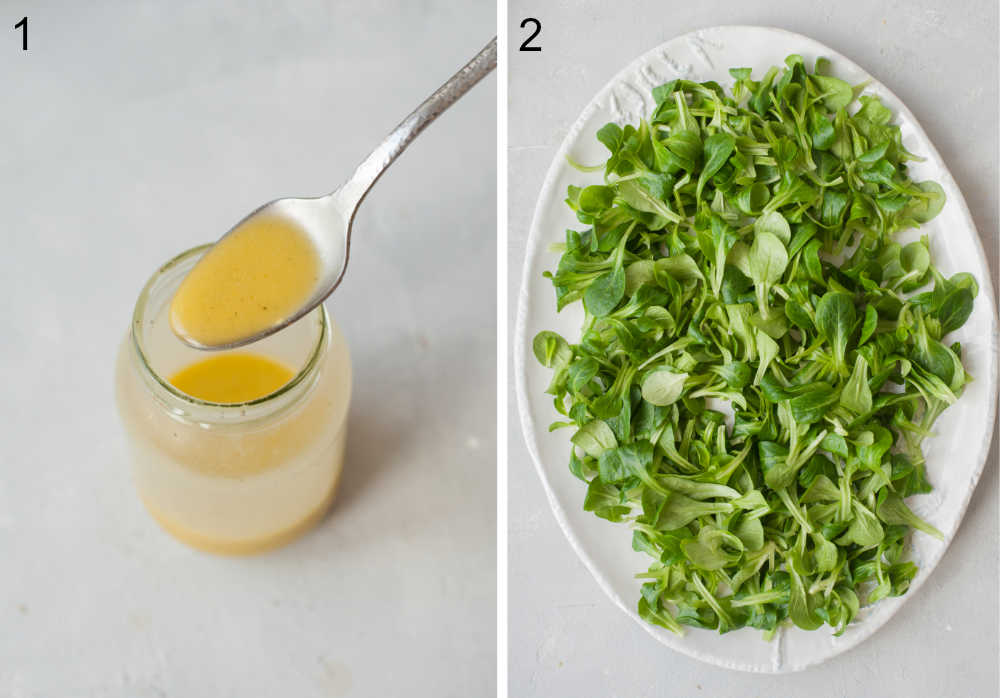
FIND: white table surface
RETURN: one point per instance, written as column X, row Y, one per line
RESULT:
column 566, row 637
column 130, row 131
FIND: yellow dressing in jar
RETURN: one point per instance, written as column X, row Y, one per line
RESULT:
column 232, row 378
column 252, row 279
column 235, row 451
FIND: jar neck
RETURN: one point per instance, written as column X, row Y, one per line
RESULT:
column 157, row 353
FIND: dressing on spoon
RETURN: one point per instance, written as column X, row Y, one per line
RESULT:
column 254, row 278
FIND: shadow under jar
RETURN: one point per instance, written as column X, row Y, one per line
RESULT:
column 232, row 478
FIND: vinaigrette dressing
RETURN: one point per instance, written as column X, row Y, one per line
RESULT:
column 232, row 378
column 252, row 279
column 234, row 451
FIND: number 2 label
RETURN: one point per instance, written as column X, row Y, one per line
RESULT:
column 526, row 46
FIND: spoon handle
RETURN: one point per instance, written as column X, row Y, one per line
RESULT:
column 353, row 191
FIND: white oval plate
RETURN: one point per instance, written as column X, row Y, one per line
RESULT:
column 955, row 455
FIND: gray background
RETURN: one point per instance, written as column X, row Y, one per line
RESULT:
column 566, row 637
column 133, row 130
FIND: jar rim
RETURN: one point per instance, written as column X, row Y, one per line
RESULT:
column 138, row 318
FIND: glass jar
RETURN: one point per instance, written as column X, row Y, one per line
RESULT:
column 232, row 478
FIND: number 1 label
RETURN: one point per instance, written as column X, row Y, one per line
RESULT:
column 23, row 26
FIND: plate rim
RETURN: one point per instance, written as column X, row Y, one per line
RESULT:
column 520, row 350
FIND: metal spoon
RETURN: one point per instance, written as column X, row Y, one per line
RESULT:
column 327, row 220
